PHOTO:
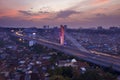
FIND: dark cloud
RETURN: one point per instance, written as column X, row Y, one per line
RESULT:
column 100, row 14
column 20, row 22
column 109, row 20
column 118, row 9
column 26, row 12
column 30, row 13
column 65, row 14
column 14, row 21
column 43, row 12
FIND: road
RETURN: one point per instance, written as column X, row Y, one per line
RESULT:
column 101, row 59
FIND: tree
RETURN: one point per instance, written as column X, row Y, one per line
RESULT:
column 38, row 48
column 67, row 72
column 57, row 77
column 2, row 43
column 64, row 71
column 109, row 76
column 90, row 75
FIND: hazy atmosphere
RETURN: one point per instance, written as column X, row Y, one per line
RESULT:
column 74, row 13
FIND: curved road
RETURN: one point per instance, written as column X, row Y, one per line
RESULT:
column 105, row 60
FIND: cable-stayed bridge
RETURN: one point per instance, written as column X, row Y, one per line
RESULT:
column 80, row 52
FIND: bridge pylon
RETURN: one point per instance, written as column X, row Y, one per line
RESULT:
column 62, row 35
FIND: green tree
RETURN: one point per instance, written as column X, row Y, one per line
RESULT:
column 2, row 43
column 38, row 48
column 90, row 75
column 57, row 77
column 67, row 72
column 109, row 76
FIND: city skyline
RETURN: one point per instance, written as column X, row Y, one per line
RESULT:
column 80, row 13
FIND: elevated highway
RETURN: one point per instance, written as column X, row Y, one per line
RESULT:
column 105, row 60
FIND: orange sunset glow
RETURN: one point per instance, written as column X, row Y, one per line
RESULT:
column 80, row 13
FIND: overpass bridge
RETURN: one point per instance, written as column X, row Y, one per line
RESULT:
column 99, row 59
column 80, row 52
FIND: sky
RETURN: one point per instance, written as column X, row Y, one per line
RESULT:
column 74, row 13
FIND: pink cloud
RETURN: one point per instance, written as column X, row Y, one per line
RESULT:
column 90, row 16
column 10, row 13
column 99, row 2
